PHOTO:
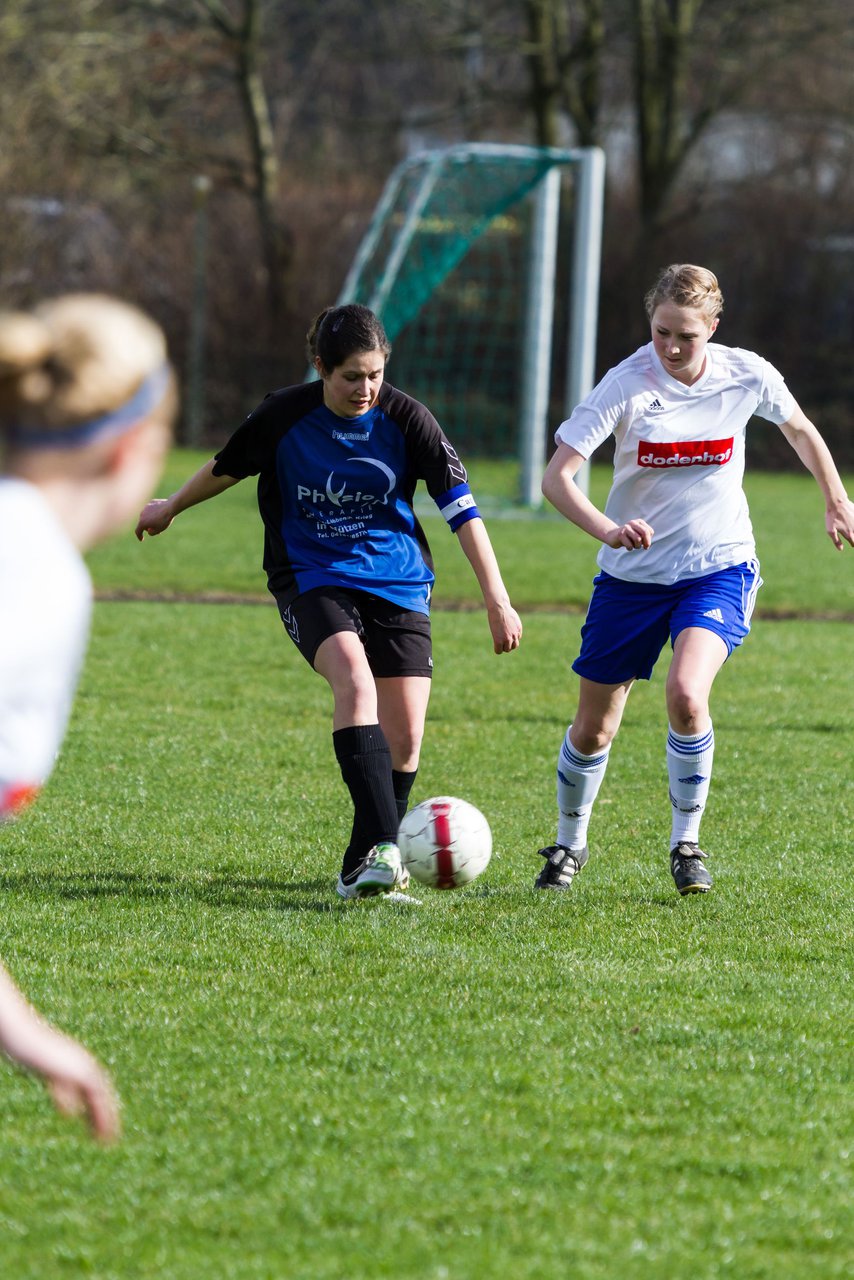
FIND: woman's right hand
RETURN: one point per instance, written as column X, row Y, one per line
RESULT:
column 155, row 517
column 634, row 535
column 77, row 1081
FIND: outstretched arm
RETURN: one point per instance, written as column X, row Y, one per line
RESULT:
column 76, row 1081
column 565, row 496
column 157, row 515
column 504, row 621
column 808, row 444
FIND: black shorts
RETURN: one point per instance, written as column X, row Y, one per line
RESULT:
column 397, row 641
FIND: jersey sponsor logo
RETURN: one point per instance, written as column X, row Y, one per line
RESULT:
column 655, row 407
column 684, row 453
column 361, row 487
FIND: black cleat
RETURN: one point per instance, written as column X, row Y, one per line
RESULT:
column 686, row 866
column 561, row 865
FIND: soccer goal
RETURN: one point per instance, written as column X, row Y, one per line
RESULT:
column 477, row 257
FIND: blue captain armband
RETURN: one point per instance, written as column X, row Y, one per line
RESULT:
column 457, row 506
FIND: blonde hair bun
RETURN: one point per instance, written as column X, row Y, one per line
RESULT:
column 24, row 342
column 73, row 359
column 686, row 285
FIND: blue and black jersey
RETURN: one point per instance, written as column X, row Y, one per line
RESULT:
column 335, row 494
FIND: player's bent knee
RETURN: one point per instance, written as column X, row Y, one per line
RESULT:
column 687, row 712
column 405, row 748
column 591, row 740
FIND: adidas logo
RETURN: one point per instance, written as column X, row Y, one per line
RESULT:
column 714, row 614
column 656, row 406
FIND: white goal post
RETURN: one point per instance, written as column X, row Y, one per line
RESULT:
column 435, row 207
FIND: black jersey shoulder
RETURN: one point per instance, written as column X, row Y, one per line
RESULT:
column 252, row 447
column 405, row 410
column 282, row 408
column 430, row 453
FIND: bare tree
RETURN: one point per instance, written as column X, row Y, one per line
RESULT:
column 149, row 89
column 564, row 55
column 238, row 28
column 693, row 59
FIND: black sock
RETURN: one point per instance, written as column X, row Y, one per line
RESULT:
column 402, row 787
column 360, row 843
column 365, row 762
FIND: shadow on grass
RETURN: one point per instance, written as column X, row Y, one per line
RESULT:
column 225, row 890
column 215, row 889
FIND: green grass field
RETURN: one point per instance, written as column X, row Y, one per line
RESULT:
column 615, row 1083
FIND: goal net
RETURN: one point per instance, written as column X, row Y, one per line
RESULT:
column 460, row 262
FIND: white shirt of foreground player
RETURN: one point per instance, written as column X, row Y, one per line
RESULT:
column 679, row 457
column 46, row 603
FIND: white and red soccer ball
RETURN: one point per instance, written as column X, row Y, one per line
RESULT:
column 445, row 842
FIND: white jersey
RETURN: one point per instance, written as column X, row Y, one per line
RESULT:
column 679, row 457
column 45, row 606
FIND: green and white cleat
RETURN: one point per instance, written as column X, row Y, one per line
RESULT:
column 379, row 872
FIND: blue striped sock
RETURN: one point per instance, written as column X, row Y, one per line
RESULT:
column 579, row 778
column 689, row 769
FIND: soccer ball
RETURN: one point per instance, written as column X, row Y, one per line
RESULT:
column 445, row 842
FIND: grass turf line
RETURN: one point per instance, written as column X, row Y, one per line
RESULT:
column 215, row 548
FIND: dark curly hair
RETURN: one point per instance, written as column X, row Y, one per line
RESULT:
column 340, row 332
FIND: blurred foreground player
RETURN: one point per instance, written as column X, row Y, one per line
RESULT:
column 87, row 398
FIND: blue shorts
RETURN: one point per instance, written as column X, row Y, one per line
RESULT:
column 628, row 623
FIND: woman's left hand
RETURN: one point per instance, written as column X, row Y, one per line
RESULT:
column 506, row 627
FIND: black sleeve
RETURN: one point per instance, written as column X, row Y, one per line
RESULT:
column 251, row 450
column 432, row 457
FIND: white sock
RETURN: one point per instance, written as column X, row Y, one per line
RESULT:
column 579, row 778
column 689, row 768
